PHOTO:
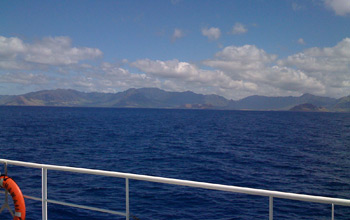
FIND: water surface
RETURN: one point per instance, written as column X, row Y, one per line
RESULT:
column 286, row 151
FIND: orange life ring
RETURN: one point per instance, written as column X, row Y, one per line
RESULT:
column 17, row 196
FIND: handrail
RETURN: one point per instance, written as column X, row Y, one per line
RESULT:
column 236, row 189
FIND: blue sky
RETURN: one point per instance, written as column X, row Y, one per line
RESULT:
column 231, row 48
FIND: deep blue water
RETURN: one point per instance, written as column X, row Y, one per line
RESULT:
column 286, row 151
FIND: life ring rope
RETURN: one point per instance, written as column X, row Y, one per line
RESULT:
column 12, row 188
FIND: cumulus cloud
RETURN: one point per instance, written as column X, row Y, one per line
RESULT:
column 247, row 57
column 330, row 65
column 212, row 33
column 59, row 51
column 237, row 71
column 110, row 77
column 191, row 76
column 340, row 7
column 11, row 64
column 106, row 77
column 329, row 59
column 239, row 28
column 53, row 63
column 171, row 68
column 48, row 51
column 178, row 33
column 289, row 79
column 10, row 47
column 251, row 64
column 234, row 71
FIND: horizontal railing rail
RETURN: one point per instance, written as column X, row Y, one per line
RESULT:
column 235, row 189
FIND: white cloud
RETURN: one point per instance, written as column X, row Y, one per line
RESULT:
column 340, row 7
column 58, row 51
column 24, row 78
column 48, row 51
column 178, row 33
column 329, row 59
column 212, row 33
column 234, row 71
column 10, row 47
column 109, row 77
column 253, row 65
column 171, row 68
column 239, row 28
column 106, row 77
column 301, row 41
column 190, row 77
column 247, row 57
column 9, row 64
column 330, row 65
column 289, row 79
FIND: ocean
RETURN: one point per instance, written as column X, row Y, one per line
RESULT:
column 297, row 152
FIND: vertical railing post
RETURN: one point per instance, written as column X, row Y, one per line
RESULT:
column 332, row 211
column 271, row 208
column 127, row 211
column 5, row 168
column 44, row 193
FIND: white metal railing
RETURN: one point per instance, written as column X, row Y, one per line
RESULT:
column 251, row 191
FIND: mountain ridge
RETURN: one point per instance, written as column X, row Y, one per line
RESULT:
column 158, row 98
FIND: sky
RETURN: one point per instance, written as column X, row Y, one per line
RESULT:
column 232, row 48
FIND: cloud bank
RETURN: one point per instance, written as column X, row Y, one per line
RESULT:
column 234, row 71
